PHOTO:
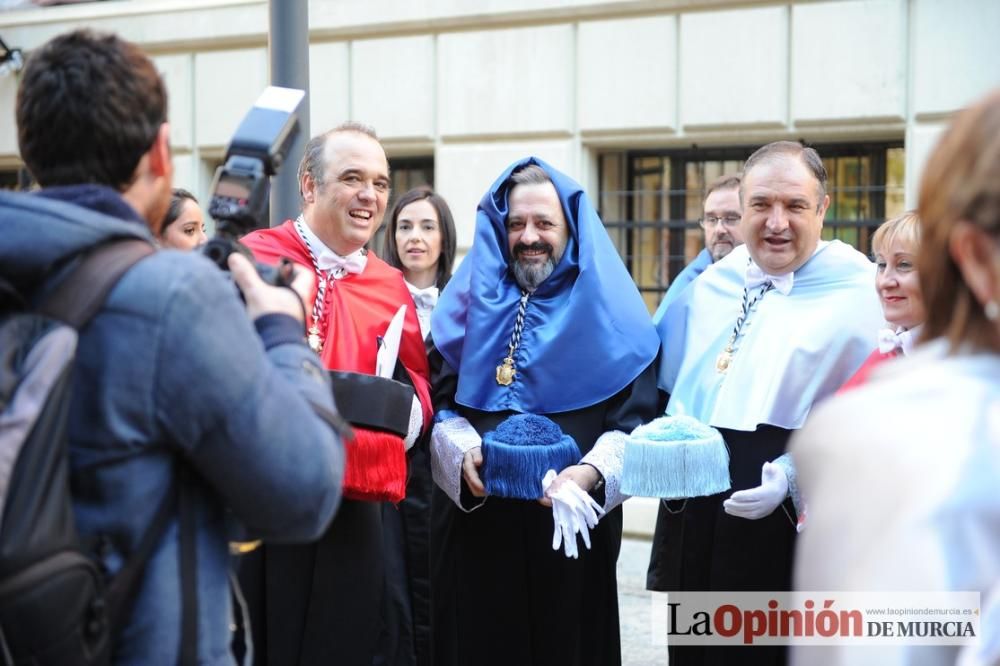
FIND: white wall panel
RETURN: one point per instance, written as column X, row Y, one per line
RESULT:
column 920, row 141
column 510, row 81
column 185, row 174
column 463, row 173
column 329, row 86
column 227, row 83
column 393, row 85
column 176, row 71
column 627, row 73
column 956, row 52
column 734, row 67
column 849, row 60
column 8, row 115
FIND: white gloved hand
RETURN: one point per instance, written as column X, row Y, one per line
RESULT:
column 573, row 512
column 563, row 534
column 587, row 507
column 756, row 503
column 563, row 515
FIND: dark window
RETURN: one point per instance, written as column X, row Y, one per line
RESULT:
column 405, row 174
column 409, row 172
column 651, row 201
column 15, row 179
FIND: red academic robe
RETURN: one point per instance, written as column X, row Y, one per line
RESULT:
column 356, row 310
column 321, row 603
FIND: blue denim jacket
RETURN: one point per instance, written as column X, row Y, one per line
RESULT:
column 172, row 370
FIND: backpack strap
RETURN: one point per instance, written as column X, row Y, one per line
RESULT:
column 82, row 292
column 124, row 586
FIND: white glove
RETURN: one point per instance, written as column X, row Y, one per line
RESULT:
column 573, row 512
column 756, row 503
column 587, row 508
column 564, row 532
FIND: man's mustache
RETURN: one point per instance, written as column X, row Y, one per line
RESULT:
column 520, row 248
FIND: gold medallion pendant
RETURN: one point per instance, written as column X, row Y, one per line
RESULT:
column 314, row 340
column 724, row 359
column 506, row 372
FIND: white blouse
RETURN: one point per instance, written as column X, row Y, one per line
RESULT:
column 425, row 300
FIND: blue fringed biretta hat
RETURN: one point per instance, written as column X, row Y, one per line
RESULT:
column 675, row 457
column 520, row 451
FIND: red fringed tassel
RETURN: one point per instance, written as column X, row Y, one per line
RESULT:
column 376, row 467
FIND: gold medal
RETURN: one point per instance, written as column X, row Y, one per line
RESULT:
column 724, row 359
column 506, row 372
column 314, row 340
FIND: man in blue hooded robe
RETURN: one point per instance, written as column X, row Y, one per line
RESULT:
column 541, row 318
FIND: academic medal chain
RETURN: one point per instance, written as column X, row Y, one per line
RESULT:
column 725, row 357
column 506, row 370
column 314, row 338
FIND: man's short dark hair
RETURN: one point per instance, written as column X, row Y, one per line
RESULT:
column 729, row 181
column 89, row 106
column 808, row 155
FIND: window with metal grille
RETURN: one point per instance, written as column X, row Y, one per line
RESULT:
column 651, row 201
column 405, row 173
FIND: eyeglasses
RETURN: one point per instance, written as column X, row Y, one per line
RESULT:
column 710, row 221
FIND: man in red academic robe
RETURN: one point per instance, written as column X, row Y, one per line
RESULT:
column 321, row 603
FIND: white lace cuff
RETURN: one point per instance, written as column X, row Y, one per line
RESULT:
column 608, row 457
column 787, row 464
column 450, row 440
column 416, row 424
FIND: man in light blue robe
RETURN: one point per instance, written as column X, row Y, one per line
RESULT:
column 721, row 222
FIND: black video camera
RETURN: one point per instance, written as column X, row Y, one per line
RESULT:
column 241, row 185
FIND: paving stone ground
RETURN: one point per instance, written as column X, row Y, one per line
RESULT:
column 634, row 606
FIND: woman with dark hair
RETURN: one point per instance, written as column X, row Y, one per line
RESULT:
column 184, row 225
column 902, row 473
column 420, row 241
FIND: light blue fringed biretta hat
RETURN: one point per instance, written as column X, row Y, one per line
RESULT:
column 520, row 451
column 675, row 457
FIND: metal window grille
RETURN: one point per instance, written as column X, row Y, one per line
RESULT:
column 651, row 201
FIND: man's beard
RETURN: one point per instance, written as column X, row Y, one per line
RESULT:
column 530, row 275
column 717, row 251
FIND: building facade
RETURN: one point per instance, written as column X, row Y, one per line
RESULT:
column 643, row 101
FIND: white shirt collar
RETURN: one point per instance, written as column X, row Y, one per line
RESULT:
column 901, row 339
column 327, row 260
column 424, row 299
column 756, row 277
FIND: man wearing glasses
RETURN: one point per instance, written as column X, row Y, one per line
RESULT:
column 721, row 223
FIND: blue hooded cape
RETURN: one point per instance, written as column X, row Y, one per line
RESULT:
column 587, row 333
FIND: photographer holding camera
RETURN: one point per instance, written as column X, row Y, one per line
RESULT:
column 173, row 387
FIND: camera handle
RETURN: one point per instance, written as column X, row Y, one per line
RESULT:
column 218, row 250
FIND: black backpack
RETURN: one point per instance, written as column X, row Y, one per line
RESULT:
column 57, row 606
